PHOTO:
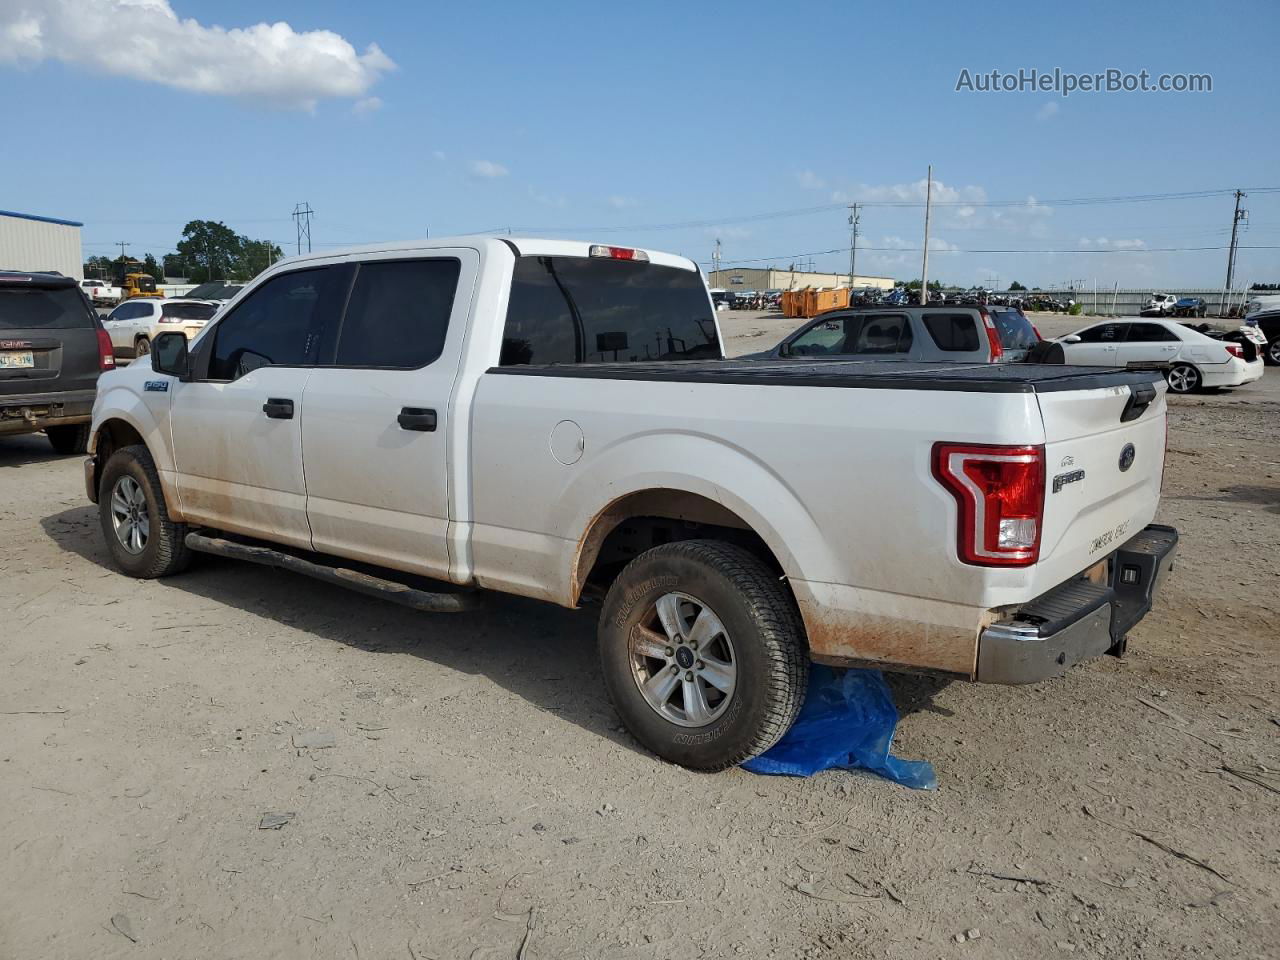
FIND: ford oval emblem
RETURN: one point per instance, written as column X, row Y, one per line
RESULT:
column 1126, row 457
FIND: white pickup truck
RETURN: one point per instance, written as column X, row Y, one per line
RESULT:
column 557, row 420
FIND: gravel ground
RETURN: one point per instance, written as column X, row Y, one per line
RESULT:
column 480, row 800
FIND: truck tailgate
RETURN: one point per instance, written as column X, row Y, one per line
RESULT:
column 1104, row 460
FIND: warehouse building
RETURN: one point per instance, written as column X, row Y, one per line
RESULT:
column 28, row 242
column 770, row 278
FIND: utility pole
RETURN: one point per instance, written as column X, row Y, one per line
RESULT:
column 1238, row 216
column 121, row 244
column 302, row 219
column 924, row 267
column 715, row 260
column 854, row 217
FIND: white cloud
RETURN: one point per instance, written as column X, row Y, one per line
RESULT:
column 146, row 40
column 1108, row 243
column 810, row 180
column 487, row 169
column 915, row 193
column 1050, row 109
column 438, row 154
column 367, row 105
column 546, row 199
column 619, row 202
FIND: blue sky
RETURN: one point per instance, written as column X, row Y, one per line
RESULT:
column 609, row 121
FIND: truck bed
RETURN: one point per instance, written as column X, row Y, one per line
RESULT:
column 860, row 374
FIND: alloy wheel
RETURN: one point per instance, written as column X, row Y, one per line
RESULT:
column 129, row 516
column 683, row 661
column 1183, row 379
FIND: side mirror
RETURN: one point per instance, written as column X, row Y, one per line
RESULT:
column 169, row 355
column 784, row 349
column 1071, row 338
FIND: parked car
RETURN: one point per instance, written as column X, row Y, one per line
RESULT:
column 501, row 413
column 134, row 324
column 1262, row 303
column 52, row 349
column 100, row 292
column 959, row 334
column 216, row 291
column 1267, row 322
column 1189, row 307
column 1161, row 304
column 1191, row 360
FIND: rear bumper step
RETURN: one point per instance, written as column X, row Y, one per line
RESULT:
column 400, row 593
column 1079, row 619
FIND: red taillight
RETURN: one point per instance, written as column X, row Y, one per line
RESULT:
column 1000, row 494
column 106, row 355
column 993, row 336
column 617, row 253
column 1235, row 350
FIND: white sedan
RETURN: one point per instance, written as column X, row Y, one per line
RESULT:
column 135, row 323
column 1191, row 360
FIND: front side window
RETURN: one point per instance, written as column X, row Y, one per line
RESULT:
column 277, row 325
column 593, row 310
column 1103, row 333
column 398, row 313
column 824, row 337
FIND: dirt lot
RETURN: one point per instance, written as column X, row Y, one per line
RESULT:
column 480, row 800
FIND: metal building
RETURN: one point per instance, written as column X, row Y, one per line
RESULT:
column 29, row 242
column 773, row 279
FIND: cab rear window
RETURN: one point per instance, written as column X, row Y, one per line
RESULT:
column 581, row 310
column 42, row 308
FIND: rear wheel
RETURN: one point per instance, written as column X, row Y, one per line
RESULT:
column 1272, row 354
column 703, row 653
column 1183, row 378
column 142, row 347
column 68, row 438
column 142, row 539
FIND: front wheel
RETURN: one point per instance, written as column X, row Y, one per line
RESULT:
column 1272, row 353
column 703, row 653
column 142, row 539
column 1183, row 378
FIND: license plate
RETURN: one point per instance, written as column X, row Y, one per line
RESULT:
column 16, row 358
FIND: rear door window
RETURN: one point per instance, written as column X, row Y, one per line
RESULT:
column 42, row 308
column 398, row 313
column 953, row 332
column 593, row 310
column 1150, row 333
column 882, row 333
column 188, row 311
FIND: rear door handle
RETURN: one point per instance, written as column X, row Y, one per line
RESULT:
column 417, row 418
column 278, row 408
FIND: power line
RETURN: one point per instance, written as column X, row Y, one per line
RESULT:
column 1090, row 250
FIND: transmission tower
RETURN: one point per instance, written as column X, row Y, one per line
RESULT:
column 302, row 217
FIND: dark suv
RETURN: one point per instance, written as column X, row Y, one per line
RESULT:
column 52, row 349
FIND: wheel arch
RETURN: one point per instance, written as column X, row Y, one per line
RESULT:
column 122, row 419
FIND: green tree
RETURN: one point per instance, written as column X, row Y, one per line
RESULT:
column 1016, row 286
column 151, row 265
column 258, row 255
column 99, row 268
column 210, row 250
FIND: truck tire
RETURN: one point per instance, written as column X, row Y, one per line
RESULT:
column 703, row 653
column 68, row 438
column 142, row 539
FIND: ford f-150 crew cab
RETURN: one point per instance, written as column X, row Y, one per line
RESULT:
column 557, row 420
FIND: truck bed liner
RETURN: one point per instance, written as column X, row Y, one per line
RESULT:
column 860, row 374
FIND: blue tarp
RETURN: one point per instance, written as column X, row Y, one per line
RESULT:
column 847, row 722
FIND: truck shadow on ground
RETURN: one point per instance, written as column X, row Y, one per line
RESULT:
column 540, row 652
column 1268, row 497
column 28, row 448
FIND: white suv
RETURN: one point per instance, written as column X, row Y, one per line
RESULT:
column 135, row 323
